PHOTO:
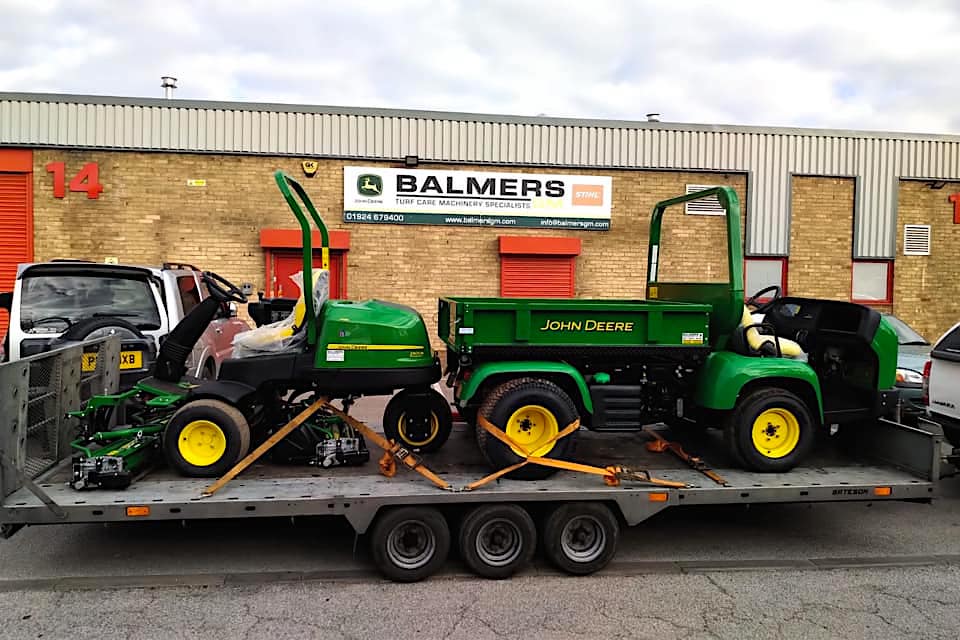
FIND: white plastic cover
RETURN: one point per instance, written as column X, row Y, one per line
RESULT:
column 284, row 335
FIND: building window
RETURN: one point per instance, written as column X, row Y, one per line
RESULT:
column 532, row 267
column 761, row 273
column 872, row 281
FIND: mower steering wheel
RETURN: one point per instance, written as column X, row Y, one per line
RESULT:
column 222, row 289
column 763, row 307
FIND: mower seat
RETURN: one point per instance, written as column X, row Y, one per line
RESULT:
column 287, row 334
column 760, row 344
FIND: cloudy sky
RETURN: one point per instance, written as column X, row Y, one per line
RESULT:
column 874, row 64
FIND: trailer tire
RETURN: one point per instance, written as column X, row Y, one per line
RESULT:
column 772, row 430
column 497, row 540
column 409, row 544
column 396, row 425
column 205, row 438
column 581, row 537
column 547, row 407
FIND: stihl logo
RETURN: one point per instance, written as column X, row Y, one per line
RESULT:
column 588, row 195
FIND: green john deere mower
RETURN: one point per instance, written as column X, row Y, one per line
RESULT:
column 336, row 349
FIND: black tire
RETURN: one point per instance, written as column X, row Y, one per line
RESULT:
column 88, row 328
column 580, row 538
column 497, row 540
column 233, row 429
column 503, row 402
column 785, row 450
column 396, row 424
column 409, row 544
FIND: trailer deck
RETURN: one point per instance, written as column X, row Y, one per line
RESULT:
column 897, row 463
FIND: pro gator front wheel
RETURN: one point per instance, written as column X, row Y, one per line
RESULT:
column 418, row 421
column 205, row 438
column 531, row 412
column 770, row 430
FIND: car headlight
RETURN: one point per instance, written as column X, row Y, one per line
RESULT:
column 908, row 376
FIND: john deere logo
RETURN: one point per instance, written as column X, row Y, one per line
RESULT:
column 370, row 185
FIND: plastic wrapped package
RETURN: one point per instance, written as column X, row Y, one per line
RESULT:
column 284, row 335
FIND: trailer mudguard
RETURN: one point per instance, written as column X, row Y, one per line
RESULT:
column 726, row 373
column 520, row 368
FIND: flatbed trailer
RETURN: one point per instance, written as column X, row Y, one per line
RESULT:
column 409, row 520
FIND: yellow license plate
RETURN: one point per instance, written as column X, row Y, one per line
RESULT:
column 128, row 360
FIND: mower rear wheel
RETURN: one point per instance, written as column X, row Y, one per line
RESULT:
column 205, row 438
column 418, row 421
column 531, row 412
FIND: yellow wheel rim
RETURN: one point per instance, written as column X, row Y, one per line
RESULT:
column 532, row 427
column 402, row 430
column 202, row 443
column 776, row 433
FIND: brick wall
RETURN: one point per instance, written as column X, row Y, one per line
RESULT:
column 821, row 235
column 926, row 289
column 148, row 214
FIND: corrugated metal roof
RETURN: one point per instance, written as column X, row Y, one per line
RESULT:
column 770, row 155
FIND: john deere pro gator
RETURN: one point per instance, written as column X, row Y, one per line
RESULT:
column 337, row 349
column 770, row 373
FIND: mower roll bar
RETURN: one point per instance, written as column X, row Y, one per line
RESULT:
column 286, row 183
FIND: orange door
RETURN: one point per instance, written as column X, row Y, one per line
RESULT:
column 536, row 276
column 16, row 231
column 284, row 264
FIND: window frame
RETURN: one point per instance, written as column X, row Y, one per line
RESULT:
column 784, row 272
column 888, row 298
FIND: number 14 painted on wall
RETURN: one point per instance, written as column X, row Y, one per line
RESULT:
column 87, row 179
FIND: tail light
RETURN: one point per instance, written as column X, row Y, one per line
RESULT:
column 926, row 382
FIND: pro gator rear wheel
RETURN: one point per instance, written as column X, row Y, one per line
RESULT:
column 418, row 421
column 770, row 430
column 531, row 412
column 205, row 438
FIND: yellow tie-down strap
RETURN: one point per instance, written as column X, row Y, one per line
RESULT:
column 612, row 475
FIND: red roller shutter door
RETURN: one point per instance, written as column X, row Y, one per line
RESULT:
column 16, row 219
column 533, row 267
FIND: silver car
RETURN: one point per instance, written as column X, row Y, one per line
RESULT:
column 62, row 301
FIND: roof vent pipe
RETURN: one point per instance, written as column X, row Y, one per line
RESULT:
column 653, row 117
column 169, row 83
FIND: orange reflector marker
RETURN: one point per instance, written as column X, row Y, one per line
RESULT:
column 882, row 491
column 658, row 497
column 135, row 512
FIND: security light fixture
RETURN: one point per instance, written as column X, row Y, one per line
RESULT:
column 411, row 161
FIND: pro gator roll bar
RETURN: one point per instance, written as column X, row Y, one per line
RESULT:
column 286, row 183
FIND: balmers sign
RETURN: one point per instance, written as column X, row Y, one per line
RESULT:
column 473, row 198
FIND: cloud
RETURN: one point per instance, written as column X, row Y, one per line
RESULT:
column 826, row 63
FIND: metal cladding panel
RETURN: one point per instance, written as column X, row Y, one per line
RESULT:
column 770, row 156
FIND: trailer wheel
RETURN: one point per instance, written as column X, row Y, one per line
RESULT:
column 205, row 438
column 417, row 427
column 581, row 537
column 497, row 540
column 410, row 543
column 771, row 429
column 530, row 411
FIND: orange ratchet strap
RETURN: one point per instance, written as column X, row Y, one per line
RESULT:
column 659, row 444
column 391, row 452
column 611, row 475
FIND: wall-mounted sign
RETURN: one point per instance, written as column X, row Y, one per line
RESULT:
column 955, row 199
column 86, row 180
column 378, row 195
column 196, row 182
